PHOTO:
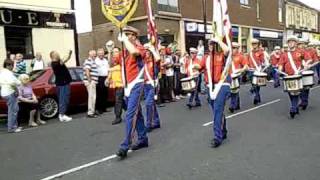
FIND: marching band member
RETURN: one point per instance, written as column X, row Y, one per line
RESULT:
column 256, row 60
column 275, row 58
column 306, row 62
column 239, row 65
column 192, row 66
column 133, row 72
column 151, row 58
column 213, row 65
column 314, row 56
column 291, row 63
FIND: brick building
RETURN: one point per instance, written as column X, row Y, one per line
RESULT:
column 301, row 20
column 183, row 21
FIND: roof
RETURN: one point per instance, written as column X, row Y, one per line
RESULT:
column 302, row 4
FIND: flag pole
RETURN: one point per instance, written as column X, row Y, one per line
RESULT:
column 123, row 62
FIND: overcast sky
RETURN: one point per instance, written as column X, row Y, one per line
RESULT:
column 83, row 13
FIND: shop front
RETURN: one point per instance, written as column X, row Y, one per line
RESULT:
column 196, row 31
column 269, row 39
column 28, row 32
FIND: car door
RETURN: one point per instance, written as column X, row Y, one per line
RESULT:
column 79, row 95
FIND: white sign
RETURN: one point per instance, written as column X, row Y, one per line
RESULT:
column 191, row 27
column 269, row 34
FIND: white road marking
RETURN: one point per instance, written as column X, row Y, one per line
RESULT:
column 59, row 175
column 248, row 110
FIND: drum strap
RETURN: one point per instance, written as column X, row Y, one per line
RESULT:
column 258, row 68
column 210, row 84
column 293, row 65
column 150, row 80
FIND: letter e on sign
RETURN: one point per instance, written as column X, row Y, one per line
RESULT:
column 32, row 19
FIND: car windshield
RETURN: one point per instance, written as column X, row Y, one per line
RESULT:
column 35, row 74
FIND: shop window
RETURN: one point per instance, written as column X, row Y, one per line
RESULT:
column 168, row 5
column 280, row 6
column 244, row 2
column 258, row 9
column 19, row 40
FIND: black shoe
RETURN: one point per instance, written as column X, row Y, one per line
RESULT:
column 189, row 106
column 215, row 144
column 92, row 116
column 224, row 136
column 231, row 110
column 319, row 82
column 255, row 102
column 304, row 107
column 149, row 130
column 139, row 146
column 116, row 121
column 156, row 127
column 237, row 108
column 122, row 153
column 99, row 112
column 292, row 115
column 198, row 105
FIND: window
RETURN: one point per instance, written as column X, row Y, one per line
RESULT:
column 280, row 7
column 168, row 5
column 19, row 40
column 244, row 2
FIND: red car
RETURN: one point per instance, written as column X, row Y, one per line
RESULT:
column 44, row 88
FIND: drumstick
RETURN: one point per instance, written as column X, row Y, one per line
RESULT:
column 281, row 72
column 314, row 64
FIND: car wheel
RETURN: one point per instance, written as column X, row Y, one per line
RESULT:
column 49, row 107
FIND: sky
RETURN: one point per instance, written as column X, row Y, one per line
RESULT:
column 83, row 13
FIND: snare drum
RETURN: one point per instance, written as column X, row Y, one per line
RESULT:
column 188, row 84
column 293, row 84
column 259, row 78
column 307, row 79
column 235, row 84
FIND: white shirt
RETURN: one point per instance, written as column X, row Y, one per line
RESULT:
column 200, row 52
column 38, row 65
column 102, row 66
column 8, row 82
column 169, row 71
column 182, row 62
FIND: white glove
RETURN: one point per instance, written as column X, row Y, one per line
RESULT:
column 122, row 37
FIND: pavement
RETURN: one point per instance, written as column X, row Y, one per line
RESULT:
column 263, row 144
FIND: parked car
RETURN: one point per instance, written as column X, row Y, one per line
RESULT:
column 44, row 88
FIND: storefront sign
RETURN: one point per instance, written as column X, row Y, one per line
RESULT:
column 269, row 34
column 257, row 33
column 12, row 17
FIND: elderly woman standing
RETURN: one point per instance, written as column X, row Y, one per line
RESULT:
column 28, row 102
column 8, row 84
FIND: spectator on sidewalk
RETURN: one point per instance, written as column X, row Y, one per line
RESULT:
column 102, row 90
column 168, row 64
column 20, row 66
column 38, row 63
column 90, row 80
column 28, row 102
column 62, row 82
column 9, row 92
column 115, row 82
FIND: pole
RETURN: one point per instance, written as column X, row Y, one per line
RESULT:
column 204, row 10
column 124, row 62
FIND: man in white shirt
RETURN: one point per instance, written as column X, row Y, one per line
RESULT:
column 9, row 84
column 168, row 62
column 37, row 63
column 102, row 91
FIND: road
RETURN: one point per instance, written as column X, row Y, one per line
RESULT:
column 263, row 143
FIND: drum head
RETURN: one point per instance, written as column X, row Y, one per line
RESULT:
column 186, row 79
column 260, row 74
column 307, row 73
